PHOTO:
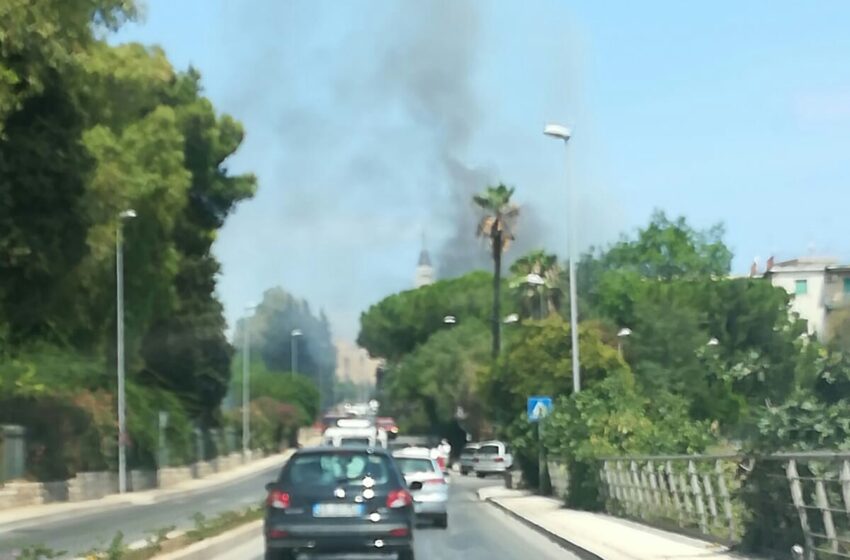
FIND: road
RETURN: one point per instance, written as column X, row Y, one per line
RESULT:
column 477, row 531
column 80, row 532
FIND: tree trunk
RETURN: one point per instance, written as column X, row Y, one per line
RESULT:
column 497, row 287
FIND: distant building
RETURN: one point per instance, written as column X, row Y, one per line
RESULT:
column 818, row 286
column 354, row 364
column 424, row 270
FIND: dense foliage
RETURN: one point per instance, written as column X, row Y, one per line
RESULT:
column 88, row 130
column 271, row 328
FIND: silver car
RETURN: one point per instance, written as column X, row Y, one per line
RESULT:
column 492, row 457
column 467, row 457
column 427, row 482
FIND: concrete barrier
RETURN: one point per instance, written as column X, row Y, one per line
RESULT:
column 92, row 486
column 172, row 476
column 142, row 480
column 96, row 485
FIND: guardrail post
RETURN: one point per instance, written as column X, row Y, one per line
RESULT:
column 638, row 489
column 844, row 477
column 671, row 479
column 697, row 492
column 628, row 491
column 800, row 505
column 727, row 501
column 653, row 483
column 709, row 495
column 823, row 505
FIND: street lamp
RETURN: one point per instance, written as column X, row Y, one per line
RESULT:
column 537, row 280
column 119, row 295
column 712, row 342
column 293, row 350
column 623, row 334
column 450, row 320
column 246, row 383
column 511, row 319
column 563, row 133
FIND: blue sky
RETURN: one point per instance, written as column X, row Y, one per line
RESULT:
column 369, row 121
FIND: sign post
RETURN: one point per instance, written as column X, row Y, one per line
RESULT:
column 538, row 408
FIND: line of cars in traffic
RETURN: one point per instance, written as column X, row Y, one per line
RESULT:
column 357, row 492
column 486, row 458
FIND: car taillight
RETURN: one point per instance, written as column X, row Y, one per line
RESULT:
column 435, row 481
column 499, row 459
column 400, row 532
column 399, row 499
column 278, row 499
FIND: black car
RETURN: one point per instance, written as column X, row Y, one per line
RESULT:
column 332, row 500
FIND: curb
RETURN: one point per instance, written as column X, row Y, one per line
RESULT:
column 579, row 551
column 174, row 494
column 217, row 545
column 130, row 499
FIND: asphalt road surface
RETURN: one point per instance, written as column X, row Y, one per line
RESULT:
column 80, row 532
column 477, row 531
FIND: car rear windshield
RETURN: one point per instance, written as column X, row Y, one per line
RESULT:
column 408, row 465
column 354, row 442
column 489, row 450
column 470, row 449
column 332, row 469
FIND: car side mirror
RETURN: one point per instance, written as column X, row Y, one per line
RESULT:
column 416, row 485
column 270, row 485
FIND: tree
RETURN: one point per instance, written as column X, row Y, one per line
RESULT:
column 272, row 325
column 399, row 323
column 544, row 265
column 497, row 226
column 427, row 386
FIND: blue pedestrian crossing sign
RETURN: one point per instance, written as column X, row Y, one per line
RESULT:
column 538, row 407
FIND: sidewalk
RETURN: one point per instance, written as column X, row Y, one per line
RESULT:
column 595, row 536
column 187, row 488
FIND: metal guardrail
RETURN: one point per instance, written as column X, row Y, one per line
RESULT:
column 690, row 492
column 704, row 494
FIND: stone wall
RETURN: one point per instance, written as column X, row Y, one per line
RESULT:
column 92, row 486
column 172, row 476
column 142, row 480
column 95, row 485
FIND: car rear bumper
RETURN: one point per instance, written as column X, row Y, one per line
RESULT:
column 341, row 538
column 430, row 507
column 491, row 469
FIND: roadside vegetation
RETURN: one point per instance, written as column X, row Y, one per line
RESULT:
column 89, row 130
column 711, row 362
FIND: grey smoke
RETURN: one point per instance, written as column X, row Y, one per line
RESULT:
column 361, row 119
column 430, row 67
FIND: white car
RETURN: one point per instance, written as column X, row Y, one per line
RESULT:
column 467, row 456
column 492, row 457
column 428, row 484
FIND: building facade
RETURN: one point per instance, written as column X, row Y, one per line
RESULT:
column 354, row 364
column 818, row 287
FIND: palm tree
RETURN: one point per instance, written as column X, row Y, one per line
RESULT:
column 496, row 225
column 544, row 265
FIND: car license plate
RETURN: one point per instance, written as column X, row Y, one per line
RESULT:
column 337, row 510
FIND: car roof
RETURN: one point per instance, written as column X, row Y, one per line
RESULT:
column 413, row 453
column 491, row 442
column 326, row 450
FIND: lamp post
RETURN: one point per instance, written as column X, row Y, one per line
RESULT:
column 293, row 350
column 563, row 133
column 621, row 336
column 119, row 296
column 537, row 280
column 246, row 384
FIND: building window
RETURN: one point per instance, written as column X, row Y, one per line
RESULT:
column 847, row 286
column 801, row 287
